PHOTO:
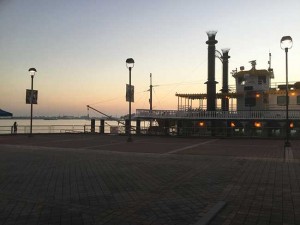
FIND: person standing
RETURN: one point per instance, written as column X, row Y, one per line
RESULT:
column 15, row 127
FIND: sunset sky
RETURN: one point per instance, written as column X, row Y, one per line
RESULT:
column 79, row 48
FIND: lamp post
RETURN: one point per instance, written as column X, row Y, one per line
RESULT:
column 129, row 65
column 286, row 43
column 32, row 72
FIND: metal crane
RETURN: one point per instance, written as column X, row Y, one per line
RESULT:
column 110, row 117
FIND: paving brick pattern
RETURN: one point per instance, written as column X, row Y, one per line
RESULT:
column 92, row 180
column 263, row 192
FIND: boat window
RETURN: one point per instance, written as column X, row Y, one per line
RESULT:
column 241, row 80
column 262, row 80
column 281, row 100
column 298, row 100
column 250, row 101
column 250, row 98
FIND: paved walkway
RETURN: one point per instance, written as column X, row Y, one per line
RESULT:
column 93, row 179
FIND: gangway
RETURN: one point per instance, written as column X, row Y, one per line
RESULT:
column 110, row 117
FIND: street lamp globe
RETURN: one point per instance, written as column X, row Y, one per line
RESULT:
column 286, row 42
column 32, row 71
column 130, row 63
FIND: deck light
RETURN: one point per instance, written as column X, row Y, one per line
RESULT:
column 201, row 124
column 257, row 124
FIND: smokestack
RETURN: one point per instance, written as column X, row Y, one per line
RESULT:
column 211, row 83
column 225, row 90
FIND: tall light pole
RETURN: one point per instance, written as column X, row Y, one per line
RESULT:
column 130, row 65
column 286, row 43
column 32, row 72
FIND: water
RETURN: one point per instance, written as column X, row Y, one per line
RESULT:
column 26, row 122
column 59, row 126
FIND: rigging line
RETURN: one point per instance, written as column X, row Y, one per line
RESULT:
column 88, row 113
column 144, row 104
column 171, row 90
column 107, row 100
column 157, row 98
column 141, row 96
column 182, row 83
column 186, row 77
column 111, row 99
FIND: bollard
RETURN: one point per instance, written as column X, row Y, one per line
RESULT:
column 102, row 126
column 92, row 125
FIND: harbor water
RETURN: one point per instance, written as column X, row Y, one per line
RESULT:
column 60, row 126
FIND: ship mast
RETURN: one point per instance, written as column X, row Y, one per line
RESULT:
column 270, row 68
column 269, row 62
column 150, row 100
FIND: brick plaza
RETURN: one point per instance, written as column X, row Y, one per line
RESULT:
column 101, row 179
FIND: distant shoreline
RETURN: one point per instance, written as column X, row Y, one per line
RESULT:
column 48, row 118
column 56, row 118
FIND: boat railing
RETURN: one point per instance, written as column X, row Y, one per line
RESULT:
column 202, row 114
